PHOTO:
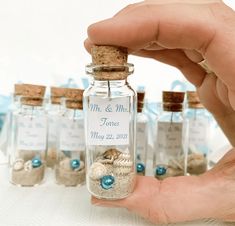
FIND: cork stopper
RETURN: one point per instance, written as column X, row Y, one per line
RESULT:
column 173, row 101
column 140, row 100
column 74, row 98
column 56, row 94
column 109, row 62
column 31, row 101
column 193, row 100
column 18, row 89
column 32, row 94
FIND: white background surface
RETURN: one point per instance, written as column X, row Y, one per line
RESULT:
column 41, row 42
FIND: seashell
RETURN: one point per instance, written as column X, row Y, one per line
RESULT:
column 65, row 164
column 122, row 166
column 111, row 153
column 174, row 163
column 197, row 164
column 123, row 162
column 97, row 171
column 82, row 165
column 18, row 164
column 124, row 156
column 28, row 165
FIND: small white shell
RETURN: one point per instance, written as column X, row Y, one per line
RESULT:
column 28, row 165
column 18, row 164
column 122, row 162
column 122, row 166
column 124, row 156
column 65, row 164
column 97, row 171
column 82, row 165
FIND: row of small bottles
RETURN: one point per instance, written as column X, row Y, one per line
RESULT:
column 43, row 135
column 183, row 134
column 55, row 136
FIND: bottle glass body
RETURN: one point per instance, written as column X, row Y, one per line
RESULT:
column 141, row 143
column 54, row 113
column 27, row 161
column 171, row 143
column 70, row 165
column 110, row 128
column 198, row 140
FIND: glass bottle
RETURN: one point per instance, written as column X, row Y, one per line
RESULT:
column 169, row 156
column 30, row 142
column 110, row 124
column 141, row 135
column 70, row 166
column 7, row 134
column 198, row 134
column 54, row 111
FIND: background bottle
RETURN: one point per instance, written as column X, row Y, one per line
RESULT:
column 30, row 143
column 141, row 135
column 170, row 153
column 198, row 134
column 70, row 166
column 55, row 109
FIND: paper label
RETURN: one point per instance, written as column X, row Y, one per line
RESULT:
column 32, row 133
column 169, row 138
column 108, row 121
column 198, row 132
column 141, row 139
column 53, row 121
column 72, row 135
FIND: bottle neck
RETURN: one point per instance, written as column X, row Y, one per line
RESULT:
column 108, row 83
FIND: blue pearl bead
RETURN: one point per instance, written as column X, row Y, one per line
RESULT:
column 160, row 170
column 140, row 168
column 36, row 162
column 107, row 182
column 74, row 163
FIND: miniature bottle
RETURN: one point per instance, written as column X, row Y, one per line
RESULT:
column 70, row 165
column 110, row 124
column 141, row 135
column 198, row 134
column 7, row 134
column 28, row 159
column 54, row 111
column 169, row 156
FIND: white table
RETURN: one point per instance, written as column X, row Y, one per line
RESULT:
column 53, row 205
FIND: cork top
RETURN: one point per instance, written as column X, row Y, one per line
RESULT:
column 56, row 94
column 140, row 100
column 18, row 89
column 109, row 63
column 32, row 94
column 29, row 90
column 108, row 55
column 193, row 100
column 173, row 101
column 74, row 98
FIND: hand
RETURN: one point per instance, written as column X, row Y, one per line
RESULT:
column 182, row 35
column 179, row 199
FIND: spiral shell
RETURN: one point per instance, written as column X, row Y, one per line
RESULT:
column 18, row 164
column 123, row 165
column 97, row 171
column 28, row 165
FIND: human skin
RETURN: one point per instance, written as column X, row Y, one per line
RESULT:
column 182, row 34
